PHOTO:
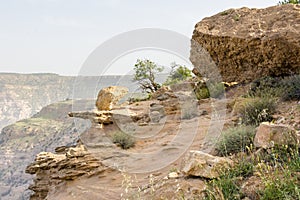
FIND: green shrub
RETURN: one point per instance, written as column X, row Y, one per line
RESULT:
column 279, row 169
column 291, row 88
column 178, row 74
column 223, row 188
column 216, row 90
column 235, row 140
column 289, row 1
column 287, row 88
column 276, row 171
column 124, row 140
column 201, row 92
column 206, row 90
column 267, row 87
column 257, row 111
column 227, row 186
column 285, row 188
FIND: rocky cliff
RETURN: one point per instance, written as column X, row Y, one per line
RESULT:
column 247, row 44
column 21, row 141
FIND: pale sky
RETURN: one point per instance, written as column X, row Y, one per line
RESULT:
column 57, row 36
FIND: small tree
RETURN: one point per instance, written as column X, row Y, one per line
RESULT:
column 289, row 1
column 178, row 73
column 145, row 72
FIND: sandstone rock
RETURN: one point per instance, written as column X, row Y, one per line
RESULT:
column 53, row 169
column 101, row 117
column 173, row 175
column 246, row 44
column 268, row 135
column 109, row 96
column 198, row 163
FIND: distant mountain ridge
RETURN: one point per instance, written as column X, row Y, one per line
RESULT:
column 23, row 95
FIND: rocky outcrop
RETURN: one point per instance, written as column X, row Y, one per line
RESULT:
column 198, row 163
column 104, row 117
column 247, row 44
column 67, row 164
column 268, row 135
column 21, row 141
column 101, row 117
column 109, row 96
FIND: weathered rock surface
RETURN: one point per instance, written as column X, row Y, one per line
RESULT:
column 67, row 164
column 247, row 44
column 109, row 96
column 21, row 141
column 268, row 135
column 101, row 117
column 105, row 116
column 198, row 163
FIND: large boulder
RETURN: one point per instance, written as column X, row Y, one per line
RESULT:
column 110, row 96
column 269, row 135
column 246, row 44
column 198, row 163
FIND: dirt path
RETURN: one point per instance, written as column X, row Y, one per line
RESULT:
column 155, row 155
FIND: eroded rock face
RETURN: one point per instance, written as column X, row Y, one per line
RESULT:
column 198, row 163
column 268, row 135
column 67, row 164
column 246, row 44
column 109, row 96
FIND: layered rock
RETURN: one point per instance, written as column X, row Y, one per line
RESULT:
column 101, row 117
column 198, row 163
column 67, row 164
column 104, row 116
column 246, row 44
column 109, row 96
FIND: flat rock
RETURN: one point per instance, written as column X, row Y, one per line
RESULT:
column 200, row 164
column 269, row 135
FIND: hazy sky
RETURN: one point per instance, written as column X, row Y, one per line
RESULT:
column 58, row 35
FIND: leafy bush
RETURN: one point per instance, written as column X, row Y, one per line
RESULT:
column 178, row 74
column 235, row 140
column 125, row 140
column 289, row 1
column 257, row 111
